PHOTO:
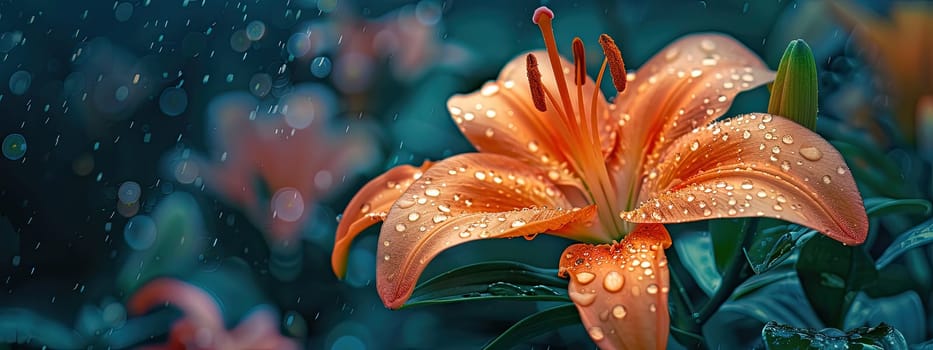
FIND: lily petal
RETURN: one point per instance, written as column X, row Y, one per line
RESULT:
column 501, row 118
column 621, row 289
column 461, row 199
column 755, row 165
column 687, row 85
column 198, row 306
column 369, row 206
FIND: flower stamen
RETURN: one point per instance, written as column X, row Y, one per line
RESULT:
column 616, row 65
column 542, row 17
column 534, row 81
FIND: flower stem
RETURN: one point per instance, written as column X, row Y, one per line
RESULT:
column 736, row 272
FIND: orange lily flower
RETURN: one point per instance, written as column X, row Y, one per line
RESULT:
column 202, row 326
column 564, row 161
column 255, row 168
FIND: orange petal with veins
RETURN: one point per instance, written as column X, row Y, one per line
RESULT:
column 621, row 289
column 755, row 165
column 369, row 206
column 501, row 118
column 460, row 199
column 687, row 85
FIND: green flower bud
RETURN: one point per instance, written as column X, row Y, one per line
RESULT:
column 794, row 91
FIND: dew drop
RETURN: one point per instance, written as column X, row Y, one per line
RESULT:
column 619, row 312
column 785, row 165
column 518, row 223
column 613, row 282
column 596, row 333
column 811, row 153
column 746, row 134
column 405, row 203
column 400, row 227
column 707, row 212
column 582, row 299
column 787, row 139
column 747, row 185
column 413, row 217
column 532, row 146
column 439, row 218
column 432, row 192
column 840, row 171
column 776, row 150
column 585, row 277
column 762, row 194
column 652, row 289
column 827, row 180
column 480, row 175
column 695, row 145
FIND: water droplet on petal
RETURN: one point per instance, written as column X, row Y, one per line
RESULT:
column 432, row 192
column 518, row 223
column 582, row 299
column 400, row 227
column 613, row 282
column 596, row 333
column 619, row 312
column 811, row 153
column 414, row 216
column 480, row 175
column 840, row 171
column 585, row 277
column 652, row 289
column 787, row 139
column 747, row 185
column 827, row 180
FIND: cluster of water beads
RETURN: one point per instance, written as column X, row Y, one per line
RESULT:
column 610, row 266
column 429, row 203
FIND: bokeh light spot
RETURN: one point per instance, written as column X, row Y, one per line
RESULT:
column 14, row 146
column 173, row 101
column 20, row 82
column 287, row 204
column 129, row 192
column 140, row 232
column 320, row 67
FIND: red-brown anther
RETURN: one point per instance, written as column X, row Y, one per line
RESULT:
column 579, row 62
column 616, row 65
column 534, row 82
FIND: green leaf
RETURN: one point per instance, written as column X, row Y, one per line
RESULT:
column 695, row 250
column 918, row 236
column 904, row 311
column 794, row 93
column 831, row 275
column 756, row 282
column 499, row 280
column 726, row 235
column 782, row 337
column 880, row 206
column 773, row 243
column 537, row 324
